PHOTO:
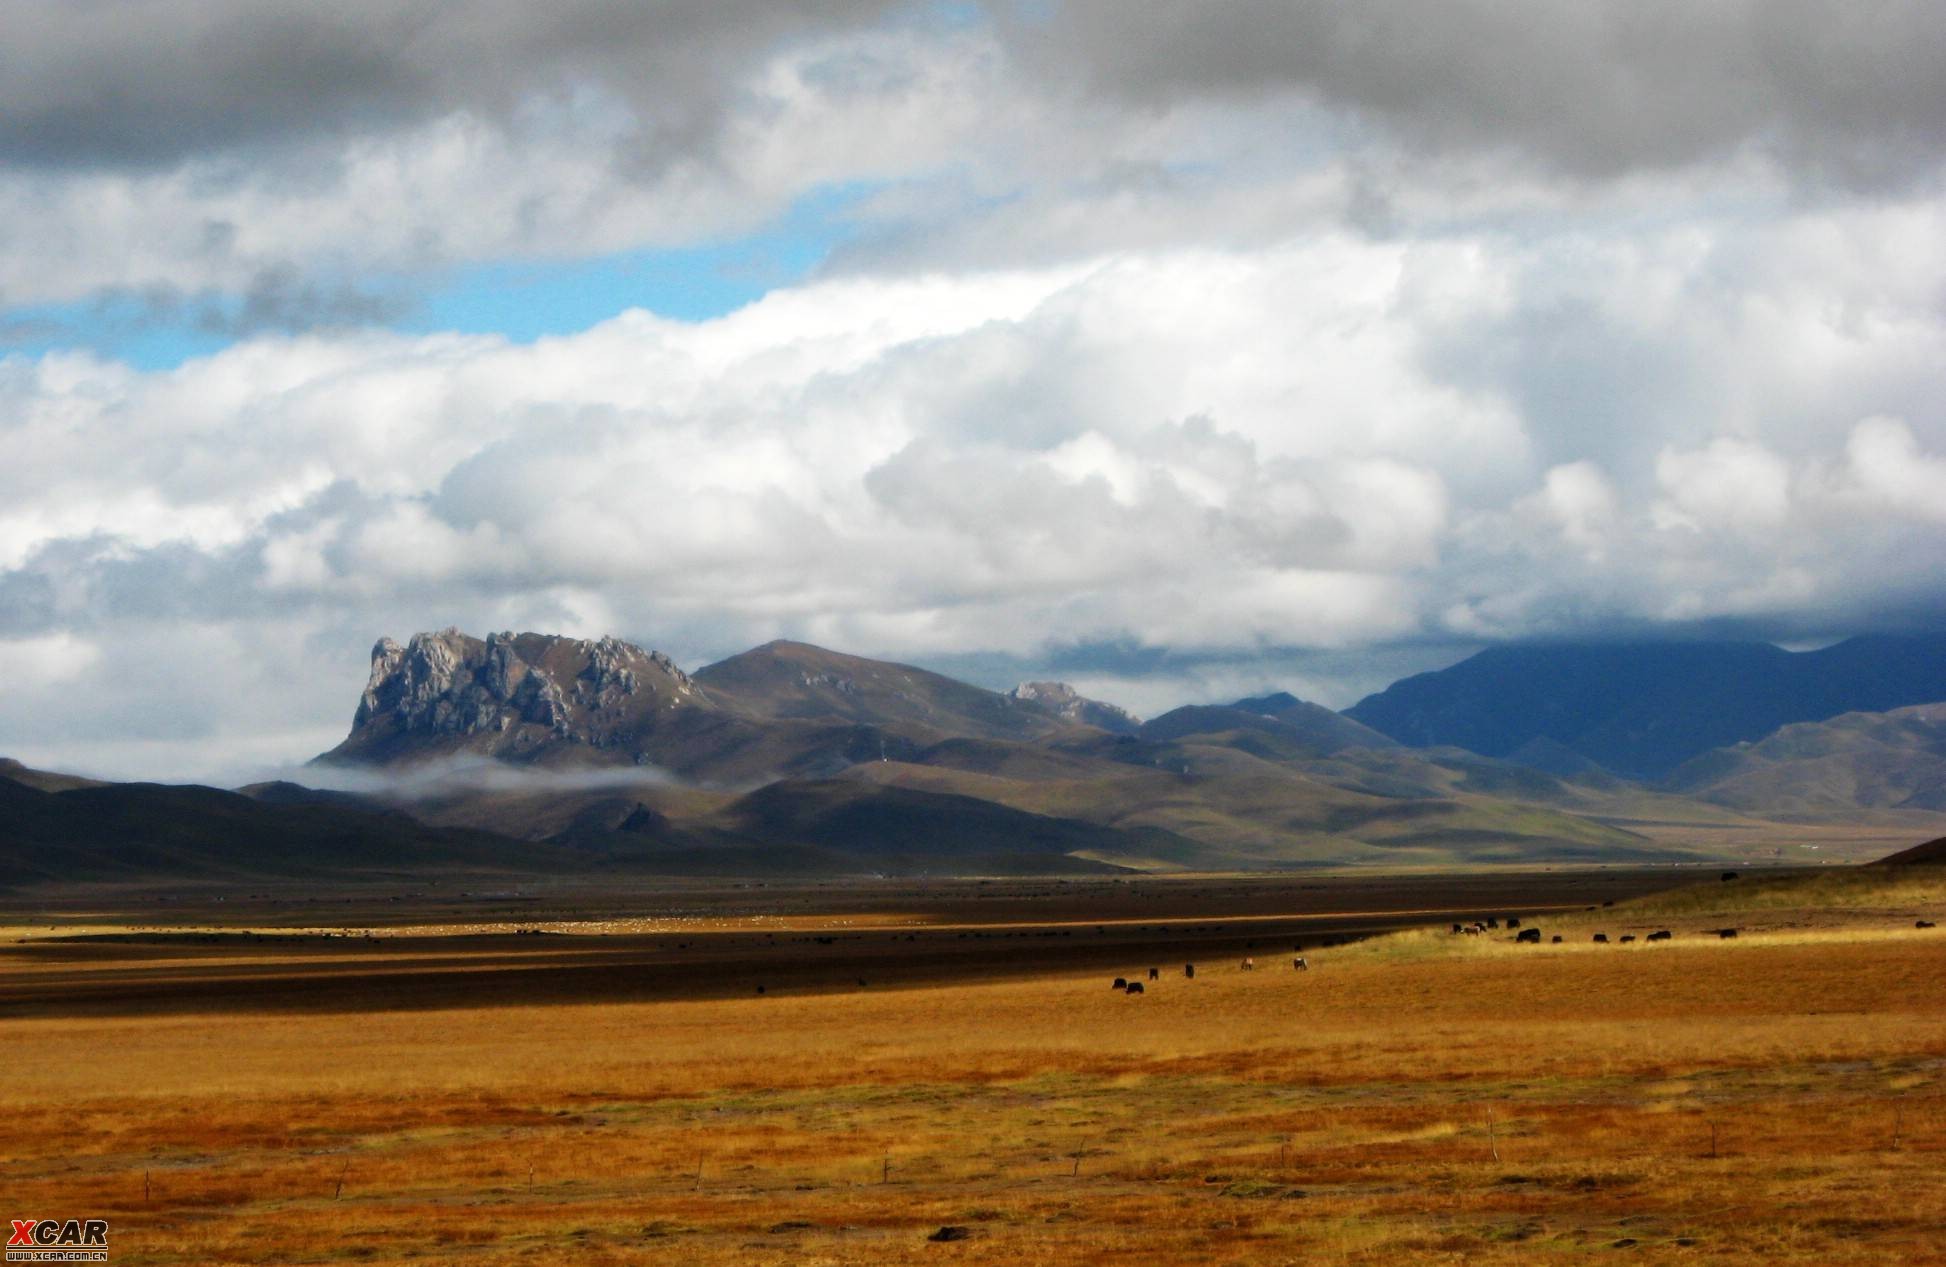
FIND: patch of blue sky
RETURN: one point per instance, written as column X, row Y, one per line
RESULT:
column 951, row 15
column 521, row 300
column 526, row 300
column 118, row 329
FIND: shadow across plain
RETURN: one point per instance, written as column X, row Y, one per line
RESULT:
column 964, row 932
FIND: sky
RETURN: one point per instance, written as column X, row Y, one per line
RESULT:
column 1181, row 350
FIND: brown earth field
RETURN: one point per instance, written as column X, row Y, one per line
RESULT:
column 238, row 1081
column 362, row 948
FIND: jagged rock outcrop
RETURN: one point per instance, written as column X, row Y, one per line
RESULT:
column 511, row 694
column 783, row 709
column 1069, row 704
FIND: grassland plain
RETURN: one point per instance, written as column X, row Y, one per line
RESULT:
column 1421, row 1097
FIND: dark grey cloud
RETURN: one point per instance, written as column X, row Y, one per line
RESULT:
column 1108, row 391
column 280, row 297
column 93, row 583
column 1854, row 89
column 276, row 298
column 142, row 82
column 1848, row 89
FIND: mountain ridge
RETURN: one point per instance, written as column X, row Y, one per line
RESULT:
column 1888, row 760
column 784, row 709
column 792, row 757
column 1641, row 709
column 1268, row 780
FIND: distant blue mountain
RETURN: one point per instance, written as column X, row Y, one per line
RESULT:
column 1641, row 710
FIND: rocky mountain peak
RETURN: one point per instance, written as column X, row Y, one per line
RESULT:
column 1070, row 705
column 1055, row 693
column 517, row 690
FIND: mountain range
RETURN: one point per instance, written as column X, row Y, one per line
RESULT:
column 793, row 758
column 779, row 710
column 1891, row 760
column 1642, row 710
column 1264, row 782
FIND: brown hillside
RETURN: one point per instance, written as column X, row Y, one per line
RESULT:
column 44, row 780
column 1932, row 853
column 782, row 681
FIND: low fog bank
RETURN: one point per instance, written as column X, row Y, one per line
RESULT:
column 448, row 776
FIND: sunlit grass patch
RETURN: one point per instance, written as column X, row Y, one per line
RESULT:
column 1421, row 1097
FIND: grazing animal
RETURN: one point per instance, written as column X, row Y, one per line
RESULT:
column 1529, row 935
column 1513, row 922
column 1627, row 938
column 1471, row 932
column 1135, row 987
column 1662, row 935
column 1456, row 928
column 1121, row 983
column 1249, row 965
column 1556, row 939
column 1925, row 923
column 1155, row 974
column 1602, row 937
column 1729, row 875
column 1189, row 970
column 1493, row 923
column 1300, row 965
column 1726, row 933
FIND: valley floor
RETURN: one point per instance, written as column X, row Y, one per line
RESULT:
column 1415, row 1097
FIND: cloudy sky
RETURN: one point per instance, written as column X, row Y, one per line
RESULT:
column 1177, row 349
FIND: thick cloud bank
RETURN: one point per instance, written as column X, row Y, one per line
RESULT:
column 1324, row 444
column 1230, row 348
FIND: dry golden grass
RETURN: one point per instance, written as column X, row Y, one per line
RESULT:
column 1424, row 1098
